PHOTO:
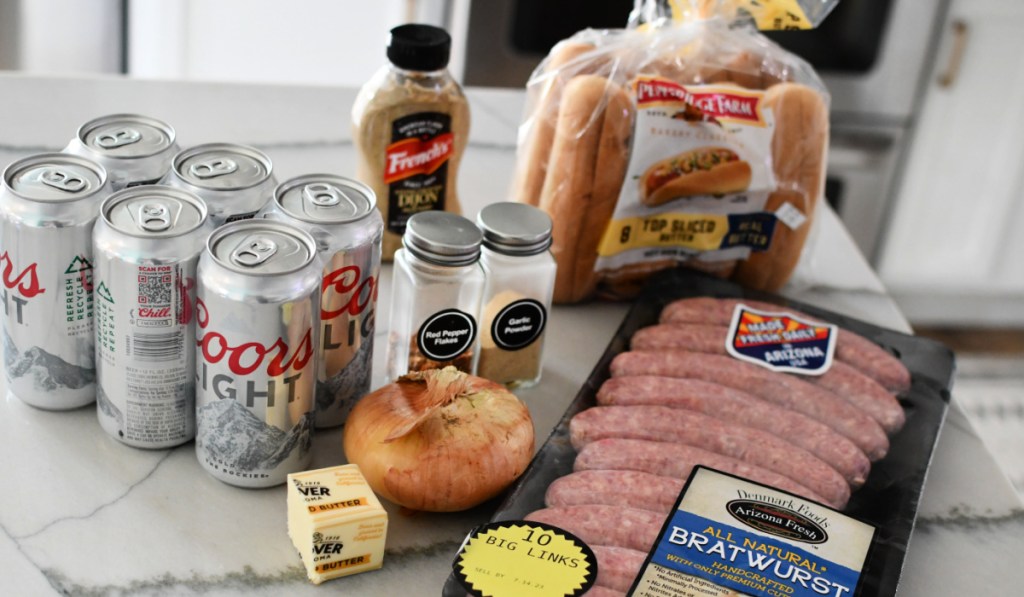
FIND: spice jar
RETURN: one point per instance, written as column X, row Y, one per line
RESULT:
column 410, row 125
column 520, row 274
column 435, row 295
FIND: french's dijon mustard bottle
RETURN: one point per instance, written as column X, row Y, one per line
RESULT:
column 410, row 125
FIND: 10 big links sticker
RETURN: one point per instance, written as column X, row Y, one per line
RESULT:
column 518, row 324
column 524, row 559
column 446, row 334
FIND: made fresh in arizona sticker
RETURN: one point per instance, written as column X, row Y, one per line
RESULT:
column 781, row 341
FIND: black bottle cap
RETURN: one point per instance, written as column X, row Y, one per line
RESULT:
column 419, row 47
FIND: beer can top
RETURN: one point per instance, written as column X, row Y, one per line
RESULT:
column 261, row 247
column 126, row 136
column 55, row 177
column 325, row 199
column 223, row 166
column 153, row 211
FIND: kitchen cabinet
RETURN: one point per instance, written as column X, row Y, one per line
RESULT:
column 952, row 250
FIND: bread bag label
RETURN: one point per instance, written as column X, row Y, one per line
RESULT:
column 728, row 535
column 781, row 341
column 699, row 176
column 416, row 166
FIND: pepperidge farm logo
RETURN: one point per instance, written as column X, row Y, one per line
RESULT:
column 722, row 103
column 781, row 341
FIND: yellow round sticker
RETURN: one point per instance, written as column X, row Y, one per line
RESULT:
column 524, row 559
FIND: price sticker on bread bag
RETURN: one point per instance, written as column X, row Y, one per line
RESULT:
column 781, row 341
column 524, row 559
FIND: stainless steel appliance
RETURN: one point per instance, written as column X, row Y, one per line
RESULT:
column 872, row 55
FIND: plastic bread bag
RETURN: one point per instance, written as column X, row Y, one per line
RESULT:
column 686, row 138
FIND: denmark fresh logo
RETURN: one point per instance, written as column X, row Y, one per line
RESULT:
column 781, row 341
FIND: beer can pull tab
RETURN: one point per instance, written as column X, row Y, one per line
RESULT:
column 65, row 181
column 115, row 138
column 154, row 217
column 322, row 194
column 254, row 252
column 213, row 168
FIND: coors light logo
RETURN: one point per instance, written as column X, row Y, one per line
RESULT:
column 274, row 364
column 24, row 283
column 721, row 103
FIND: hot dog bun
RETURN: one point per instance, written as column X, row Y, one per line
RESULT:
column 584, row 174
column 798, row 159
column 702, row 171
column 536, row 146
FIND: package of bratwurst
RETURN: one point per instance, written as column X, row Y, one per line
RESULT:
column 686, row 138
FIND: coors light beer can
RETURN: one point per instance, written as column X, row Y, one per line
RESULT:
column 234, row 180
column 146, row 247
column 48, row 205
column 342, row 216
column 257, row 329
column 134, row 149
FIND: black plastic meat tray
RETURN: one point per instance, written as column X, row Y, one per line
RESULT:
column 889, row 498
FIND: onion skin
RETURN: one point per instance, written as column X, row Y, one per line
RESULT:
column 439, row 440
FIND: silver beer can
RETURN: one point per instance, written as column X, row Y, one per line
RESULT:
column 48, row 205
column 342, row 216
column 146, row 246
column 134, row 149
column 257, row 329
column 234, row 180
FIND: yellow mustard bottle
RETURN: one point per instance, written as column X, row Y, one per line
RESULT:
column 410, row 124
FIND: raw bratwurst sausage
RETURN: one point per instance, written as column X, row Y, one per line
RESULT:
column 676, row 460
column 615, row 488
column 666, row 424
column 841, row 379
column 732, row 405
column 617, row 566
column 818, row 404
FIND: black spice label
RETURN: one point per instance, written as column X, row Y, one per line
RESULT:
column 446, row 334
column 416, row 166
column 519, row 324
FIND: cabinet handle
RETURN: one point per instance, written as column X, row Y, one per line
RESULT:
column 947, row 78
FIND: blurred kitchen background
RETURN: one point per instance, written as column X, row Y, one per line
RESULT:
column 926, row 164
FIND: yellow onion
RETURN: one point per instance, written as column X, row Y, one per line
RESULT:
column 439, row 440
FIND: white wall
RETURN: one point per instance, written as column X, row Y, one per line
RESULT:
column 340, row 42
column 62, row 36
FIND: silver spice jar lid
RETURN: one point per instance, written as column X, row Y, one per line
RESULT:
column 442, row 238
column 515, row 228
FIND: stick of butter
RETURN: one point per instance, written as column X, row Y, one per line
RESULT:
column 336, row 522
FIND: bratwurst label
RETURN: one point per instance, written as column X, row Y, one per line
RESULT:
column 728, row 534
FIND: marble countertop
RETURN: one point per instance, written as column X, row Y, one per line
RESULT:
column 82, row 514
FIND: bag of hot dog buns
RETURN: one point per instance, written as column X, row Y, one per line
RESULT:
column 687, row 138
